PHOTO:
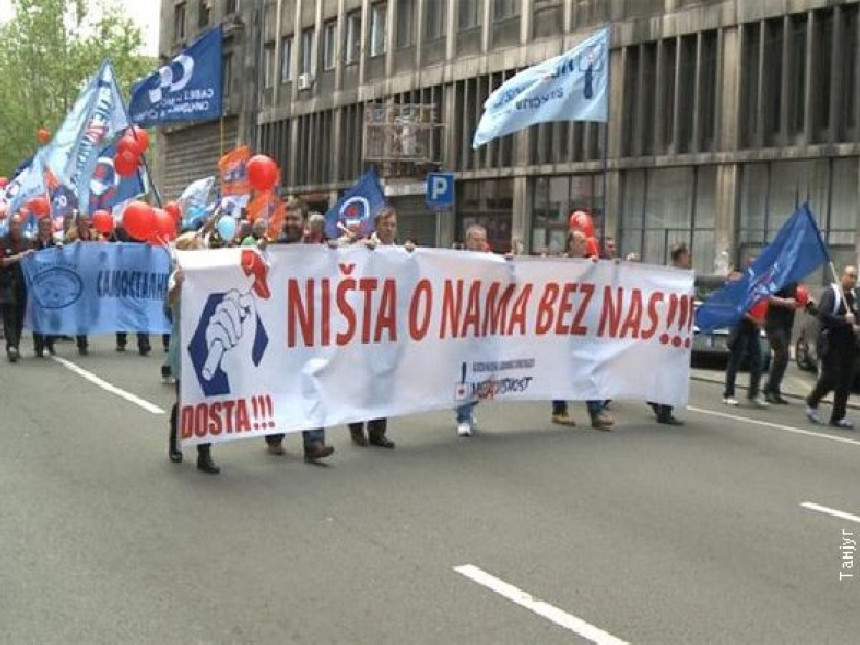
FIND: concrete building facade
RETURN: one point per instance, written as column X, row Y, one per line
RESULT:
column 724, row 114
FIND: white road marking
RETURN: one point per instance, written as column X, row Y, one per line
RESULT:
column 774, row 426
column 842, row 515
column 541, row 608
column 108, row 387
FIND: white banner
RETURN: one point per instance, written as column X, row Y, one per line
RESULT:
column 301, row 337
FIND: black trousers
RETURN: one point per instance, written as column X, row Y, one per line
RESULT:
column 82, row 342
column 13, row 322
column 172, row 445
column 779, row 339
column 142, row 341
column 745, row 343
column 42, row 342
column 837, row 374
column 375, row 428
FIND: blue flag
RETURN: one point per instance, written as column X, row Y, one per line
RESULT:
column 96, row 288
column 108, row 188
column 797, row 251
column 188, row 89
column 357, row 208
column 569, row 87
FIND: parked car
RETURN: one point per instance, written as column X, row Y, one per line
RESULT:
column 712, row 346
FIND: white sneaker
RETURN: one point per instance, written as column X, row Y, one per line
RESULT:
column 759, row 401
column 730, row 400
column 812, row 415
column 464, row 429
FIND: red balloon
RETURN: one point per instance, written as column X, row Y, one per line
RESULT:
column 141, row 136
column 175, row 210
column 40, row 206
column 592, row 247
column 802, row 295
column 581, row 221
column 129, row 146
column 759, row 309
column 43, row 135
column 125, row 165
column 103, row 222
column 4, row 181
column 138, row 219
column 165, row 226
column 262, row 172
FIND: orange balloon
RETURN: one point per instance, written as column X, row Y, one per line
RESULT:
column 43, row 135
column 581, row 221
column 103, row 222
column 138, row 219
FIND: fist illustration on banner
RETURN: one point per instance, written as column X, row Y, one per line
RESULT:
column 232, row 325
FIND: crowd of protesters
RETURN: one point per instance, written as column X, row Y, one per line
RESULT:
column 837, row 347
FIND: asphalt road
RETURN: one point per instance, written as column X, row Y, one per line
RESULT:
column 654, row 534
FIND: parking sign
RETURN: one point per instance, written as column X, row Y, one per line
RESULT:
column 440, row 190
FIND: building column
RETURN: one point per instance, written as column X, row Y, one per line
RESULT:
column 390, row 42
column 725, row 209
column 615, row 125
column 728, row 92
column 521, row 218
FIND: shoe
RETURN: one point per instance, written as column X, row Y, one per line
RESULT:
column 380, row 441
column 669, row 420
column 120, row 348
column 844, row 424
column 358, row 438
column 563, row 419
column 602, row 421
column 812, row 415
column 206, row 464
column 758, row 401
column 730, row 400
column 83, row 351
column 277, row 450
column 464, row 429
column 167, row 375
column 775, row 398
column 175, row 457
column 317, row 451
column 13, row 354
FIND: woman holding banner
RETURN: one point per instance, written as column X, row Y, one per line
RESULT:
column 13, row 292
column 186, row 242
column 44, row 240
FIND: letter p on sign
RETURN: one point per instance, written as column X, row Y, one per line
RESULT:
column 440, row 190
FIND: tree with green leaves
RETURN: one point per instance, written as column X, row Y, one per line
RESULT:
column 48, row 50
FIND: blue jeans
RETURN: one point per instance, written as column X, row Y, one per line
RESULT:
column 744, row 343
column 313, row 436
column 465, row 411
column 593, row 407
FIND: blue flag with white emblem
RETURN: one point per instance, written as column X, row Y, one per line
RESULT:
column 569, row 87
column 357, row 208
column 797, row 251
column 189, row 88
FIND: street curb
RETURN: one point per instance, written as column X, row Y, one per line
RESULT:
column 788, row 395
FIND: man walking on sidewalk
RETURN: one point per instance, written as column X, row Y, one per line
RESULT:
column 837, row 347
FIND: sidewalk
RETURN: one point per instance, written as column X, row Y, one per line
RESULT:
column 797, row 384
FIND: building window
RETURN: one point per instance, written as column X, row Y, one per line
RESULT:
column 504, row 9
column 353, row 37
column 405, row 23
column 179, row 21
column 707, row 90
column 468, row 18
column 750, row 83
column 555, row 198
column 434, row 19
column 286, row 59
column 231, row 7
column 227, row 73
column 664, row 207
column 849, row 69
column 378, row 11
column 307, row 50
column 329, row 44
column 772, row 80
column 488, row 203
column 203, row 8
column 798, row 75
column 269, row 65
column 823, row 51
column 670, row 64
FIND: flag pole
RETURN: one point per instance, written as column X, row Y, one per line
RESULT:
column 605, row 160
